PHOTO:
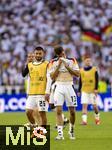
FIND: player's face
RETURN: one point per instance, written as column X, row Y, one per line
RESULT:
column 63, row 54
column 30, row 57
column 39, row 55
column 87, row 62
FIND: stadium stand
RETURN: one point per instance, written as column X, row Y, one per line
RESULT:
column 79, row 26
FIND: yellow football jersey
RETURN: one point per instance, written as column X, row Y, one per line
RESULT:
column 37, row 74
column 88, row 80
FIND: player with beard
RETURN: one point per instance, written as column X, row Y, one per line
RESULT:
column 37, row 71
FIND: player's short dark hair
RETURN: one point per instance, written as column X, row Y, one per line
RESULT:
column 58, row 50
column 38, row 48
column 86, row 56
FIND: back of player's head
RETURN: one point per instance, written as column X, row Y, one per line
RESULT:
column 39, row 48
column 58, row 50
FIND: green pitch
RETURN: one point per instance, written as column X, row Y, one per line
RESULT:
column 90, row 137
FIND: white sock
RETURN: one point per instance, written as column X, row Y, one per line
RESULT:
column 97, row 116
column 84, row 117
column 60, row 130
column 71, row 128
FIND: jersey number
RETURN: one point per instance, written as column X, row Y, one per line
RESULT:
column 42, row 103
column 73, row 100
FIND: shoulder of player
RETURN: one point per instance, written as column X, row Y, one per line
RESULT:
column 95, row 68
column 92, row 68
column 53, row 60
column 45, row 61
column 72, row 59
column 35, row 63
column 30, row 63
column 81, row 69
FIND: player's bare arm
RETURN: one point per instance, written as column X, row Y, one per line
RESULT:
column 71, row 71
column 48, row 86
column 49, row 82
column 80, row 86
column 54, row 74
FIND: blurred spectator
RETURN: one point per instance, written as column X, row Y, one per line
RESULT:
column 26, row 24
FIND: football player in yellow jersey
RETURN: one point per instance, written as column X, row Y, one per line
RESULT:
column 31, row 58
column 37, row 71
column 88, row 86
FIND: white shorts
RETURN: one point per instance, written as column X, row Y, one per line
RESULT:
column 88, row 98
column 65, row 92
column 37, row 101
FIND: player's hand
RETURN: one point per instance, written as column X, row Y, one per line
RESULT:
column 64, row 62
column 96, row 92
column 47, row 97
column 60, row 62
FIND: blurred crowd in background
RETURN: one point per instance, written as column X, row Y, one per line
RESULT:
column 25, row 24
